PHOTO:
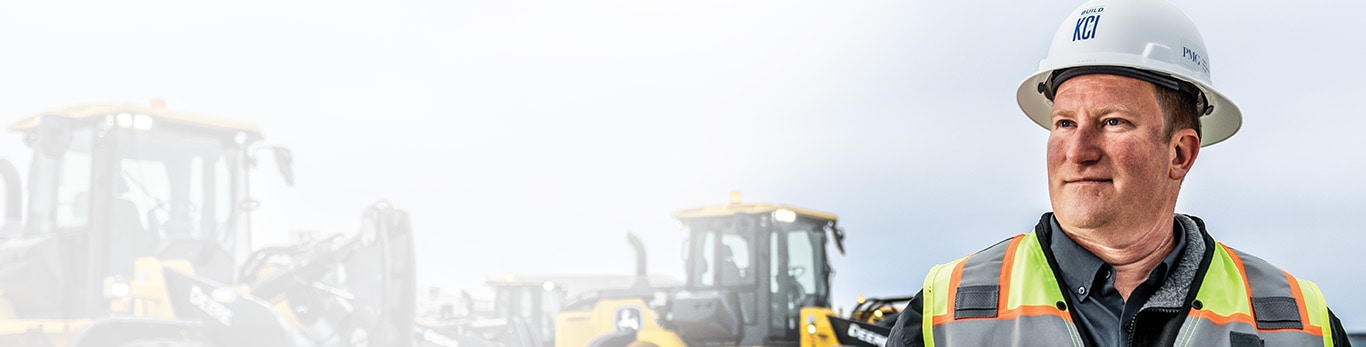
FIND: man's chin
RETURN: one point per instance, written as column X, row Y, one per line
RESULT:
column 1087, row 218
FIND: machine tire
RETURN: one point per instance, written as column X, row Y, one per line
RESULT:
column 166, row 342
column 139, row 332
column 614, row 339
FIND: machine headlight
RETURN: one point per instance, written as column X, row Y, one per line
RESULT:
column 135, row 121
column 811, row 324
column 119, row 290
column 142, row 122
column 785, row 216
column 125, row 120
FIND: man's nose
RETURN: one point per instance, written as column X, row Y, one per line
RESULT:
column 1083, row 147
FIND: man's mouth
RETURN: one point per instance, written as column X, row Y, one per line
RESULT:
column 1089, row 180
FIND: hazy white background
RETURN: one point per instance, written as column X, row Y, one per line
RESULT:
column 528, row 136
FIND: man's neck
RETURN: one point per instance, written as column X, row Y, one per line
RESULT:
column 1133, row 252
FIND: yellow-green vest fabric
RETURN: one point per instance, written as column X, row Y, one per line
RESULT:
column 1008, row 295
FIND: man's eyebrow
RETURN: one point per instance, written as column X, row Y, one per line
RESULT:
column 1117, row 108
column 1108, row 109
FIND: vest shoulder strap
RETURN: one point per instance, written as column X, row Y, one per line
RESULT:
column 1251, row 297
column 988, row 297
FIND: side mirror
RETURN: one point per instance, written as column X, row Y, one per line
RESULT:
column 838, row 233
column 14, row 197
column 284, row 160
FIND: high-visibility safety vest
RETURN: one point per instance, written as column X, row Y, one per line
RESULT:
column 1007, row 295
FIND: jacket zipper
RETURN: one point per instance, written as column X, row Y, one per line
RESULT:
column 1133, row 323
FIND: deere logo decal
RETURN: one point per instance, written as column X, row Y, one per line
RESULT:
column 628, row 318
column 210, row 307
column 1087, row 22
column 866, row 335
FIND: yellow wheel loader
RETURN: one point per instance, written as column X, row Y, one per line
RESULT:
column 522, row 312
column 879, row 311
column 757, row 275
column 137, row 233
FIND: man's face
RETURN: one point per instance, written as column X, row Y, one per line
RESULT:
column 1109, row 162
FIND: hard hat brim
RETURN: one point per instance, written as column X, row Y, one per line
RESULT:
column 1219, row 125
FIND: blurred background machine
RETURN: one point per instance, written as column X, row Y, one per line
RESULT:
column 757, row 275
column 521, row 313
column 138, row 233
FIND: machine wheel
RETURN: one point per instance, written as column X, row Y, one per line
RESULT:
column 140, row 332
column 164, row 342
column 614, row 339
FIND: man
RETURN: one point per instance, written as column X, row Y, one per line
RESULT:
column 1128, row 103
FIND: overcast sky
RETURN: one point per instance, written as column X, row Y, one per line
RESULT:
column 528, row 137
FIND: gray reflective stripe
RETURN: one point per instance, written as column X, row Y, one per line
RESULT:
column 1043, row 331
column 979, row 288
column 1273, row 304
column 1202, row 332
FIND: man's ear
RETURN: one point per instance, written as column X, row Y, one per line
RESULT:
column 1185, row 146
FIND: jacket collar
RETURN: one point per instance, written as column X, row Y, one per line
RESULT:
column 1179, row 282
column 1182, row 282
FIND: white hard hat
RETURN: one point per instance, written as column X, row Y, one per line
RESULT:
column 1145, row 39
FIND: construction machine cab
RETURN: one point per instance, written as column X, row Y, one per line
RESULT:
column 757, row 275
column 110, row 183
column 751, row 268
column 530, row 305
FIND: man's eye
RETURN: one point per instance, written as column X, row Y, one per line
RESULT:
column 1065, row 123
column 1113, row 122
